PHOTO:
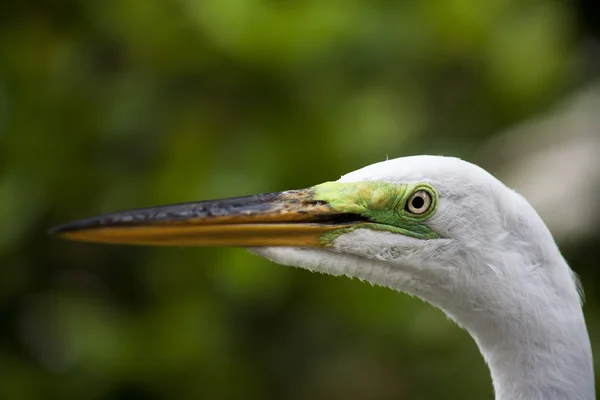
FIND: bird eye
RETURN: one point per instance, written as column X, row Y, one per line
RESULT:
column 419, row 202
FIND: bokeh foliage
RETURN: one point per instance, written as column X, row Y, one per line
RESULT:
column 125, row 103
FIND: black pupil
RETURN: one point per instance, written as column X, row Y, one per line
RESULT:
column 418, row 202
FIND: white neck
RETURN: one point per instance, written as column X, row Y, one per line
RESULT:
column 541, row 362
column 535, row 343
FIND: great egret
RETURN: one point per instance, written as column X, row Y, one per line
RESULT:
column 434, row 227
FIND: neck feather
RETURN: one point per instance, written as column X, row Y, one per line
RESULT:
column 525, row 315
column 534, row 341
column 539, row 361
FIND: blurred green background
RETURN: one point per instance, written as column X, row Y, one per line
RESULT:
column 119, row 104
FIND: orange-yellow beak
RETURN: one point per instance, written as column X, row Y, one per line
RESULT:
column 291, row 218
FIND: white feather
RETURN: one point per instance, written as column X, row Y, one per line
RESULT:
column 496, row 271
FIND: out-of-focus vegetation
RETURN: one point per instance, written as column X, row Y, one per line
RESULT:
column 126, row 103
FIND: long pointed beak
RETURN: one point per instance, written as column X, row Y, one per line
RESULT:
column 291, row 218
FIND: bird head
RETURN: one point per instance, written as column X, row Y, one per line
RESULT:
column 436, row 227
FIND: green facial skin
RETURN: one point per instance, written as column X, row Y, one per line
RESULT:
column 380, row 202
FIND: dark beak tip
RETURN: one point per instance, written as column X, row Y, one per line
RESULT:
column 58, row 230
column 63, row 229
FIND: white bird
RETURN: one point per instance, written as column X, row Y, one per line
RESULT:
column 438, row 228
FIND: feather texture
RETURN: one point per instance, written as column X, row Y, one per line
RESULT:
column 495, row 270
